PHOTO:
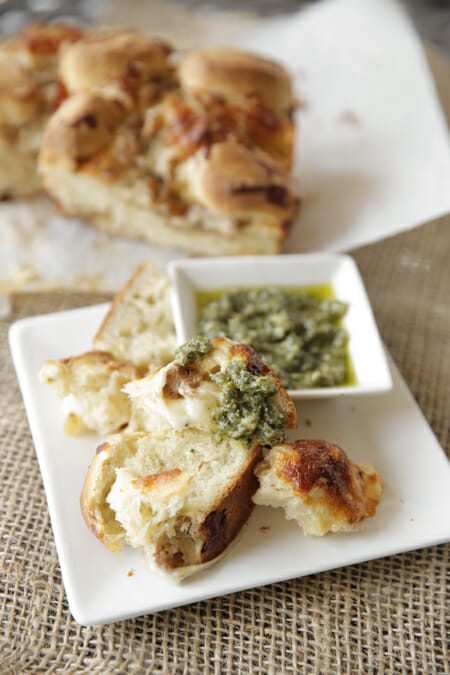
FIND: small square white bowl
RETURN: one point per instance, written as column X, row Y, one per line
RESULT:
column 365, row 347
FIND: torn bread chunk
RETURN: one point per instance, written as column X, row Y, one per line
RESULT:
column 192, row 169
column 136, row 336
column 91, row 386
column 219, row 386
column 318, row 486
column 29, row 94
column 139, row 326
column 234, row 74
column 178, row 496
column 135, row 64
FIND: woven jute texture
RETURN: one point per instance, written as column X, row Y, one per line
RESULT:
column 386, row 616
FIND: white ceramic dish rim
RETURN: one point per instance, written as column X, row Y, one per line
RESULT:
column 189, row 275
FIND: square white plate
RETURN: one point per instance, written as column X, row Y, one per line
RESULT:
column 388, row 431
column 340, row 271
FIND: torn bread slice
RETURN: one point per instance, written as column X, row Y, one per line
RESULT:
column 220, row 386
column 318, row 486
column 91, row 386
column 139, row 326
column 177, row 495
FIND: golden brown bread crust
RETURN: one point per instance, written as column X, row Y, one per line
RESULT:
column 118, row 299
column 228, row 178
column 235, row 74
column 119, row 57
column 19, row 94
column 218, row 529
column 139, row 324
column 97, row 514
column 349, row 492
column 189, row 121
column 162, row 479
column 38, row 44
column 29, row 93
column 28, row 65
column 83, row 126
column 234, row 179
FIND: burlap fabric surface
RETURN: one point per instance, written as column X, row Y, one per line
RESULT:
column 386, row 616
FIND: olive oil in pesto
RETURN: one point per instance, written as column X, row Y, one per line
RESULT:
column 297, row 331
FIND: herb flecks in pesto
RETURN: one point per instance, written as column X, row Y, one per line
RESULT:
column 246, row 412
column 197, row 347
column 298, row 334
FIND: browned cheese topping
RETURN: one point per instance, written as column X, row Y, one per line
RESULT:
column 316, row 464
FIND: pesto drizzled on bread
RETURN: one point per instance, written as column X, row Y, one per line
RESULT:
column 219, row 386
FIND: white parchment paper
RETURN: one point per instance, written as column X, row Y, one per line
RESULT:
column 372, row 155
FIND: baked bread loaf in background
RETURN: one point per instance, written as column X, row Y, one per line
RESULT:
column 132, row 63
column 195, row 157
column 91, row 386
column 177, row 495
column 190, row 151
column 318, row 486
column 29, row 94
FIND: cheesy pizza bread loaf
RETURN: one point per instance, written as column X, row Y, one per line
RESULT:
column 195, row 156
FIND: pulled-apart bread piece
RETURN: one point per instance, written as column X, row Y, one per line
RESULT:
column 136, row 336
column 29, row 93
column 137, row 65
column 92, row 388
column 177, row 495
column 139, row 326
column 318, row 486
column 219, row 386
column 194, row 165
column 181, row 487
column 234, row 75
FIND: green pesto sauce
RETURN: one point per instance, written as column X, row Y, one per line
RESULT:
column 197, row 347
column 246, row 411
column 297, row 331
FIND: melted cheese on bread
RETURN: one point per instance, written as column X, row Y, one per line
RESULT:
column 317, row 485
